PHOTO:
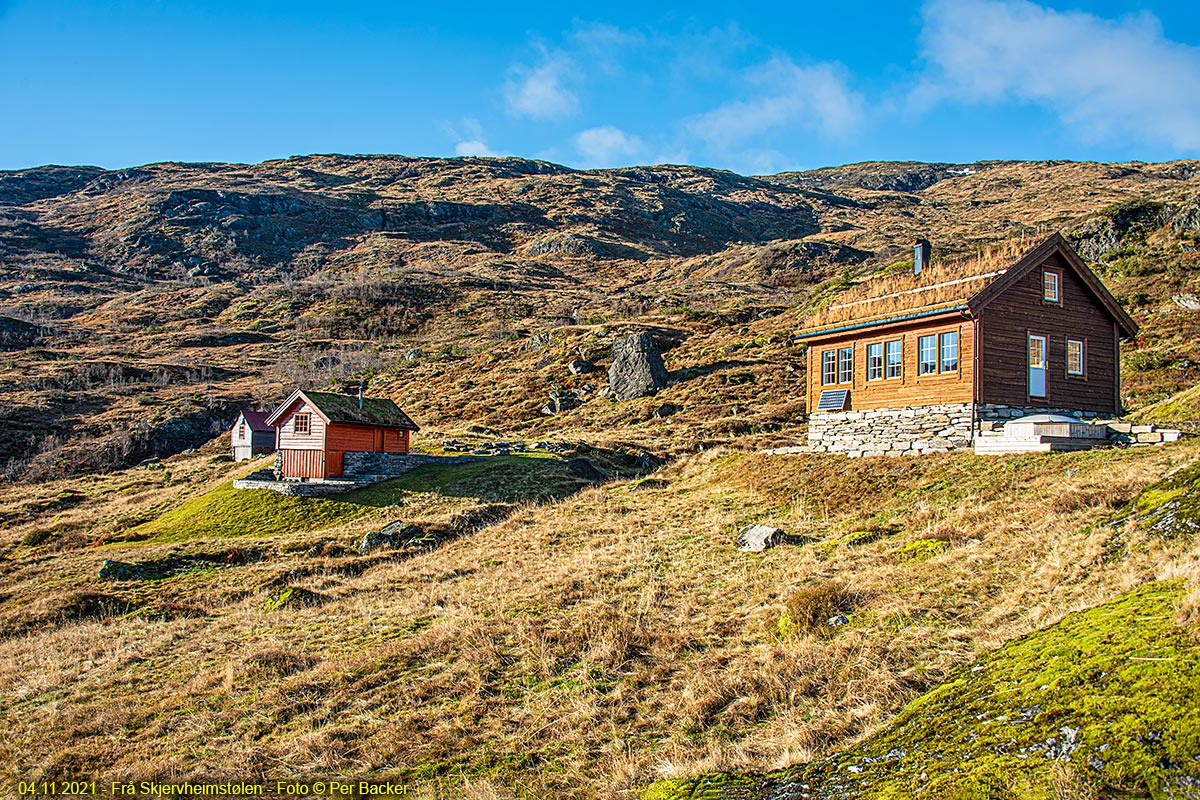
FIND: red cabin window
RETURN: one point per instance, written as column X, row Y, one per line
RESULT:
column 303, row 424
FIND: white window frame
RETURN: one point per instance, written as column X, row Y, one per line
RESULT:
column 846, row 364
column 875, row 361
column 307, row 417
column 943, row 338
column 921, row 362
column 829, row 367
column 887, row 359
column 1082, row 371
column 1051, row 286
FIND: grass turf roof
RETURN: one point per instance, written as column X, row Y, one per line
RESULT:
column 942, row 285
column 342, row 408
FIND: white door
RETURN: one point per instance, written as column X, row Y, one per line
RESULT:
column 1037, row 366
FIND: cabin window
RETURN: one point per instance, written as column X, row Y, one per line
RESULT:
column 1050, row 292
column 846, row 365
column 828, row 367
column 242, row 431
column 949, row 348
column 895, row 359
column 875, row 361
column 303, row 424
column 927, row 355
column 1075, row 357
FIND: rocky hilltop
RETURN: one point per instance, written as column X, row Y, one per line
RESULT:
column 141, row 306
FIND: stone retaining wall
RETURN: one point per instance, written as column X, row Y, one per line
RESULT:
column 891, row 431
column 301, row 488
column 941, row 428
column 381, row 466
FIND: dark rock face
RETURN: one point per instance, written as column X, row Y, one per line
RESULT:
column 1118, row 225
column 581, row 367
column 16, row 333
column 582, row 468
column 394, row 535
column 637, row 369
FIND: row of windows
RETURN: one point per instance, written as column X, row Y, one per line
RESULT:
column 936, row 353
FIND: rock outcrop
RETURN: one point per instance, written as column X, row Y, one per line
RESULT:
column 637, row 368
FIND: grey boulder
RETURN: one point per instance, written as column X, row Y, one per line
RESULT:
column 757, row 538
column 637, row 368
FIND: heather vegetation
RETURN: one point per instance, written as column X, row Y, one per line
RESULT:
column 930, row 625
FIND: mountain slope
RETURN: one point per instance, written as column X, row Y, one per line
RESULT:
column 163, row 297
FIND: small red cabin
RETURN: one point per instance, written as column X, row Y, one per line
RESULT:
column 314, row 431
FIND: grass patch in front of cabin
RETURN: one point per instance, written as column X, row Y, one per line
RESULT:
column 226, row 512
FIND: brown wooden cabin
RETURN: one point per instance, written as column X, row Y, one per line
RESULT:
column 1036, row 334
column 316, row 429
column 251, row 436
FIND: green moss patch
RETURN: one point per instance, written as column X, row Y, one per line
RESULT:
column 921, row 549
column 228, row 512
column 1108, row 698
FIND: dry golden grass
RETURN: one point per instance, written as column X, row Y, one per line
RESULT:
column 577, row 649
column 942, row 284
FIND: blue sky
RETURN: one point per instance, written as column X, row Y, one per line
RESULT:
column 752, row 87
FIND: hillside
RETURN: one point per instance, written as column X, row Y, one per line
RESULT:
column 543, row 634
column 591, row 641
column 140, row 307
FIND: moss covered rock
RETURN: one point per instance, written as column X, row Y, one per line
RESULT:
column 1170, row 508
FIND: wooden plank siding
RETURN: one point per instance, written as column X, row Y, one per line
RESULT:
column 304, row 463
column 1008, row 321
column 910, row 389
column 289, row 439
column 341, row 439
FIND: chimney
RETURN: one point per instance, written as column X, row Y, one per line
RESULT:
column 921, row 255
column 361, row 384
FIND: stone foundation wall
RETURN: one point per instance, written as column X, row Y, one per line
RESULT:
column 941, row 428
column 379, row 466
column 998, row 415
column 891, row 431
column 299, row 488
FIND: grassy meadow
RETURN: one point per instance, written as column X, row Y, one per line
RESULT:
column 594, row 641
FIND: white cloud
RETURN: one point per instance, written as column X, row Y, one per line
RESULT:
column 539, row 92
column 475, row 147
column 1104, row 78
column 470, row 140
column 782, row 93
column 607, row 146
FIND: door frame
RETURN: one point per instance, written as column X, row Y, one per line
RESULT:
column 1045, row 367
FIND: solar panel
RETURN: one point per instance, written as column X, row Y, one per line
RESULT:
column 833, row 399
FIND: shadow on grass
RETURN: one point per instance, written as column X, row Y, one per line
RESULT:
column 701, row 370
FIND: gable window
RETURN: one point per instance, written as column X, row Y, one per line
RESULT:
column 949, row 349
column 1050, row 288
column 303, row 424
column 1075, row 357
column 875, row 361
column 828, row 367
column 846, row 365
column 242, row 431
column 895, row 359
column 927, row 355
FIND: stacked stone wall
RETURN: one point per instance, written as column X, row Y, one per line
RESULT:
column 941, row 428
column 358, row 466
column 891, row 431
